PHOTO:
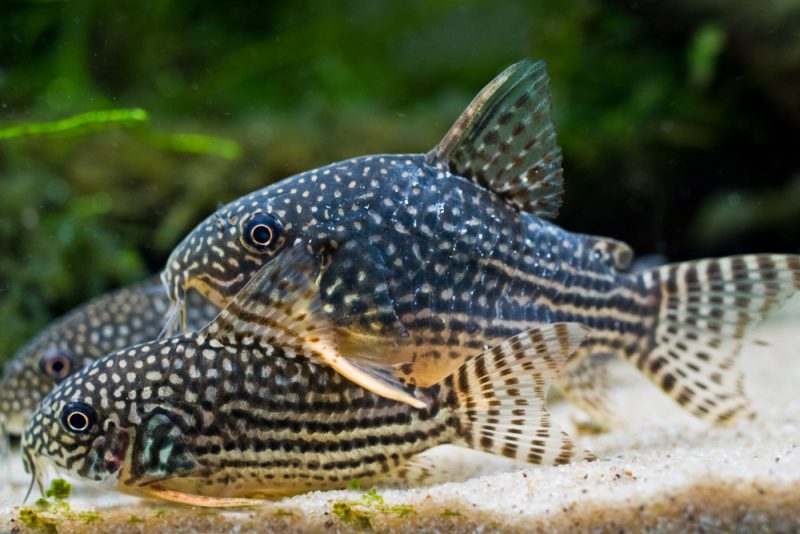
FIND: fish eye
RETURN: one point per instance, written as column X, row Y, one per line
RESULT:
column 622, row 258
column 262, row 233
column 78, row 417
column 56, row 363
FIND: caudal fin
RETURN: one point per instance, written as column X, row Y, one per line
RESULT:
column 705, row 309
column 499, row 396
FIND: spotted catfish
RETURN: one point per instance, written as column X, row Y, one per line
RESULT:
column 437, row 256
column 243, row 408
column 110, row 322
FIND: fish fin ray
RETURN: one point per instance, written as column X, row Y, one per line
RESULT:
column 705, row 310
column 505, row 141
column 500, row 396
column 586, row 384
column 159, row 492
column 422, row 470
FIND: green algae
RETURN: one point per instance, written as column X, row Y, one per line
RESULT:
column 447, row 512
column 49, row 512
column 59, row 490
column 280, row 512
column 37, row 521
column 360, row 512
column 348, row 513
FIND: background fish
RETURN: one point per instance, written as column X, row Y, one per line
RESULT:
column 243, row 407
column 107, row 323
column 437, row 256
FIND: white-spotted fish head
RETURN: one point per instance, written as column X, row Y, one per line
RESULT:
column 73, row 432
column 107, row 323
column 111, row 423
column 36, row 369
column 22, row 387
column 220, row 255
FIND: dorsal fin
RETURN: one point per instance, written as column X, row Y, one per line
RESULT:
column 281, row 305
column 505, row 141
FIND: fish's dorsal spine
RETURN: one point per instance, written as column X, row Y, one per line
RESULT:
column 505, row 141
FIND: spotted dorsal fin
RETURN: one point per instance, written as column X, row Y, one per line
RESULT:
column 281, row 307
column 505, row 141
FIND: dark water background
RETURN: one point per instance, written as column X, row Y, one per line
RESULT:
column 679, row 119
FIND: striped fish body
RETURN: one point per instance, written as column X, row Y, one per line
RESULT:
column 105, row 324
column 428, row 259
column 290, row 426
column 243, row 408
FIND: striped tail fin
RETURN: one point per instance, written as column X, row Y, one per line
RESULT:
column 705, row 308
column 499, row 396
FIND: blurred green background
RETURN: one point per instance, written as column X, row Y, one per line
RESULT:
column 679, row 120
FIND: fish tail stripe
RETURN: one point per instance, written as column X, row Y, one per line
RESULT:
column 500, row 396
column 706, row 308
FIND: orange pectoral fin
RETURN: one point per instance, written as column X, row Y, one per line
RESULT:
column 159, row 492
column 371, row 378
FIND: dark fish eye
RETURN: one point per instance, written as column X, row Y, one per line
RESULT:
column 623, row 258
column 262, row 233
column 78, row 417
column 57, row 364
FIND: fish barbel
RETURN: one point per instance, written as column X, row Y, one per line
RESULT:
column 438, row 256
column 113, row 321
column 243, row 408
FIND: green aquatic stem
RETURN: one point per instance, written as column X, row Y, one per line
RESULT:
column 197, row 144
column 93, row 120
column 77, row 123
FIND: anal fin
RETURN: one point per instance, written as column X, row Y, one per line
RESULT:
column 586, row 384
column 421, row 470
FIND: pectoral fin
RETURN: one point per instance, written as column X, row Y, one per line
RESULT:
column 281, row 305
column 354, row 287
column 159, row 492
